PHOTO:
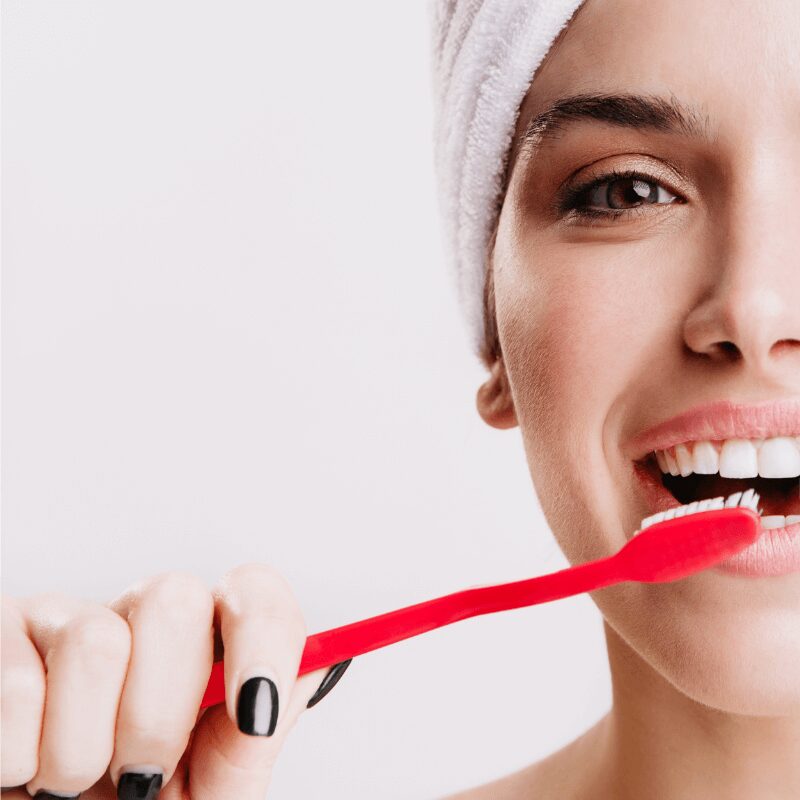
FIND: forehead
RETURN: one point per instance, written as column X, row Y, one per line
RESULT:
column 734, row 63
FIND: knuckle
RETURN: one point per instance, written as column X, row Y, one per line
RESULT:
column 256, row 594
column 180, row 594
column 253, row 574
column 258, row 580
column 103, row 634
column 46, row 604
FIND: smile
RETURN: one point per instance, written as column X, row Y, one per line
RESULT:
column 721, row 449
column 694, row 471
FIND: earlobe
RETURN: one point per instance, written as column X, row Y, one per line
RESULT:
column 494, row 401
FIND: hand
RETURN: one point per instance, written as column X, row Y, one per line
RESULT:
column 123, row 685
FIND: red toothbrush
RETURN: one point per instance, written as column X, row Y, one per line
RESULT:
column 668, row 546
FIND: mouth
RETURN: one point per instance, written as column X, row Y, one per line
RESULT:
column 776, row 552
column 780, row 497
column 719, row 449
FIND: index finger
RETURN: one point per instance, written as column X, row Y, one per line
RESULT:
column 264, row 634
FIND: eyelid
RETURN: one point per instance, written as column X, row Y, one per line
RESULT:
column 652, row 173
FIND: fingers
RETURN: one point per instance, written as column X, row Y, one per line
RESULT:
column 23, row 693
column 263, row 632
column 89, row 688
column 85, row 648
column 264, row 635
column 171, row 621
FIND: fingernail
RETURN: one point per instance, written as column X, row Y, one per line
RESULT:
column 257, row 709
column 139, row 785
column 329, row 681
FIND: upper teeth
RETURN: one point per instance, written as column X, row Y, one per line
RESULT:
column 778, row 457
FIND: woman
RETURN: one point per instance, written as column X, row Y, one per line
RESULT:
column 622, row 303
column 641, row 292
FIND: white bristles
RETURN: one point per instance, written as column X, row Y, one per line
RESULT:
column 748, row 499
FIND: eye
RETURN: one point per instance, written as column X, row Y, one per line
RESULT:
column 616, row 193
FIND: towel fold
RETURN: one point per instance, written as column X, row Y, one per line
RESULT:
column 485, row 53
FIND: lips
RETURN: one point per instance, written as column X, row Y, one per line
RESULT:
column 718, row 421
column 722, row 420
column 777, row 551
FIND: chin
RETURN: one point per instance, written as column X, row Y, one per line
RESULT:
column 736, row 660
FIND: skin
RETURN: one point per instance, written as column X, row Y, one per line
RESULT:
column 141, row 664
column 609, row 326
column 605, row 328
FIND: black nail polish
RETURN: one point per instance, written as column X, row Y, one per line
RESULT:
column 139, row 785
column 257, row 709
column 329, row 681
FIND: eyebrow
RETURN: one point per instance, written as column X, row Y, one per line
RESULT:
column 637, row 112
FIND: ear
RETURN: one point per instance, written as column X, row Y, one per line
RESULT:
column 494, row 401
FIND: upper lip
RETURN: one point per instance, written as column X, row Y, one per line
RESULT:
column 719, row 420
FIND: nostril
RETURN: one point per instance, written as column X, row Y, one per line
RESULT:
column 786, row 344
column 729, row 349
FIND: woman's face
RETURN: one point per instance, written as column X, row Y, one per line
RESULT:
column 689, row 295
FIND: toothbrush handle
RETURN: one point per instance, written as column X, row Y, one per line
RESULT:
column 339, row 644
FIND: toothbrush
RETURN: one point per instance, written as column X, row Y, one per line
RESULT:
column 668, row 546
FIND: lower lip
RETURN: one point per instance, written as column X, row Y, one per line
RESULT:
column 776, row 552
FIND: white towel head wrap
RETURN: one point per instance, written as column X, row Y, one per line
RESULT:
column 485, row 53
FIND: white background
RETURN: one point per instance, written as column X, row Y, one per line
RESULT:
column 230, row 336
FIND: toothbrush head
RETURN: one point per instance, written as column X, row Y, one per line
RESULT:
column 748, row 499
column 684, row 540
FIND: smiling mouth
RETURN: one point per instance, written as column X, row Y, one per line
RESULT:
column 779, row 496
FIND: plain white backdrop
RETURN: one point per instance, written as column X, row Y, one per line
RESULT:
column 229, row 335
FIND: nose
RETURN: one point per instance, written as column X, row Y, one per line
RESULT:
column 750, row 312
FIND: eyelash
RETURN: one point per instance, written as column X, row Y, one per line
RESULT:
column 571, row 201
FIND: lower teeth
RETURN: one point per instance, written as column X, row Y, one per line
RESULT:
column 778, row 521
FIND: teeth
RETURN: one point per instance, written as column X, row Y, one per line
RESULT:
column 672, row 464
column 684, row 458
column 777, row 521
column 777, row 457
column 706, row 459
column 738, row 459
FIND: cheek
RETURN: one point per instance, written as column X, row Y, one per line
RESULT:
column 573, row 327
column 572, row 334
column 567, row 349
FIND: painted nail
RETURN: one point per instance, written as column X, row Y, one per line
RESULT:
column 139, row 785
column 329, row 681
column 257, row 709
